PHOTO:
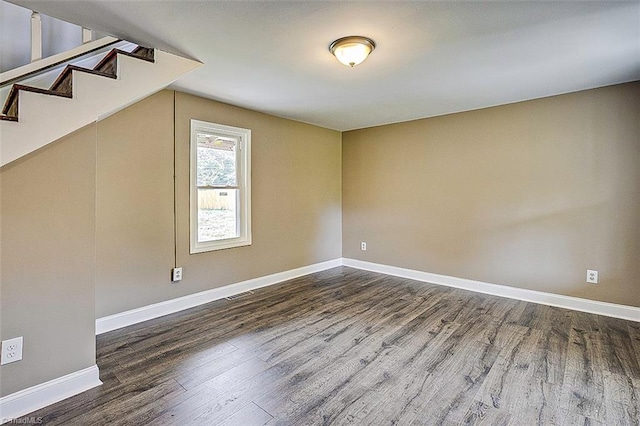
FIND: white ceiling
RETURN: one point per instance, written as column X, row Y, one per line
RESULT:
column 432, row 58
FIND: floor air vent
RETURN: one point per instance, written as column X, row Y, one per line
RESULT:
column 239, row 295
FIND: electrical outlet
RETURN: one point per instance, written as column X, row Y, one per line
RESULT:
column 363, row 246
column 176, row 274
column 592, row 276
column 11, row 350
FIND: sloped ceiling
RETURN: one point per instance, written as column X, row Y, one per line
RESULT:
column 432, row 58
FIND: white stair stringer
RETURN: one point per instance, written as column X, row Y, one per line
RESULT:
column 46, row 118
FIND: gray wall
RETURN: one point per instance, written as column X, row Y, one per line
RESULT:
column 529, row 195
column 15, row 36
column 47, row 260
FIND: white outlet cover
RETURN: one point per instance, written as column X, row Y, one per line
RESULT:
column 176, row 274
column 592, row 276
column 363, row 246
column 11, row 350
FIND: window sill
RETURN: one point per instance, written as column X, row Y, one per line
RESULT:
column 219, row 245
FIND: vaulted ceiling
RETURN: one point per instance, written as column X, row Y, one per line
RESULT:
column 432, row 58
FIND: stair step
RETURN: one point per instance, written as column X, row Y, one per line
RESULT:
column 10, row 108
column 45, row 119
column 108, row 63
column 63, row 83
column 144, row 52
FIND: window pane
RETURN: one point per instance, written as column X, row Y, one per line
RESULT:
column 217, row 219
column 216, row 160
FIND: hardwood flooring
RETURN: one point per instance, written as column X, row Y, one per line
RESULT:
column 351, row 347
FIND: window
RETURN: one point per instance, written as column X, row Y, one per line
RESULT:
column 220, row 187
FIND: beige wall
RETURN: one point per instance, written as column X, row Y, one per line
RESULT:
column 296, row 201
column 134, row 214
column 47, row 274
column 528, row 195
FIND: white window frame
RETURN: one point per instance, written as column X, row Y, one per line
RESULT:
column 243, row 169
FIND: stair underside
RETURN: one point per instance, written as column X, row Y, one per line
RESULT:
column 63, row 85
column 36, row 117
column 11, row 106
column 64, row 82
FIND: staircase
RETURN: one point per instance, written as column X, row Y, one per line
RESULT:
column 33, row 117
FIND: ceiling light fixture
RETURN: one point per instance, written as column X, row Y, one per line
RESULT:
column 352, row 50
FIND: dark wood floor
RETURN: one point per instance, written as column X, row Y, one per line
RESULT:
column 352, row 347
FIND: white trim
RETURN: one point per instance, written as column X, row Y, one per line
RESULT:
column 36, row 37
column 87, row 35
column 134, row 316
column 243, row 173
column 31, row 399
column 631, row 313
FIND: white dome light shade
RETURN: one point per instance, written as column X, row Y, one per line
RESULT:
column 352, row 50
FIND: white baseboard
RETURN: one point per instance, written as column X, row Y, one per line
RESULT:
column 134, row 316
column 577, row 304
column 28, row 400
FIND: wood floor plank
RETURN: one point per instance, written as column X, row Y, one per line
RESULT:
column 621, row 400
column 218, row 388
column 250, row 415
column 618, row 347
column 345, row 346
column 217, row 395
column 117, row 405
column 361, row 352
column 212, row 404
column 450, row 389
column 418, row 373
column 583, row 384
column 327, row 325
column 480, row 413
column 553, row 345
column 173, row 363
